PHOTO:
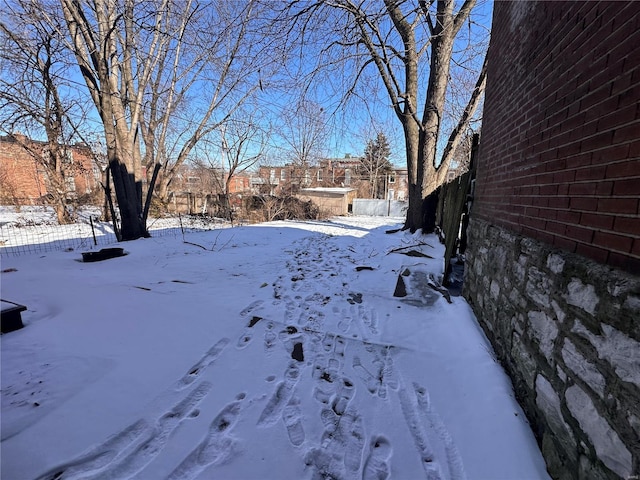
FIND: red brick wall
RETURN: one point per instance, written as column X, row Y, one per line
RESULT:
column 239, row 184
column 559, row 158
column 19, row 177
column 22, row 178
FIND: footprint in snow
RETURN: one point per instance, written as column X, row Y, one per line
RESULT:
column 323, row 464
column 251, row 308
column 129, row 452
column 244, row 340
column 354, row 445
column 217, row 447
column 101, row 456
column 292, row 418
column 377, row 466
column 207, row 360
column 280, row 397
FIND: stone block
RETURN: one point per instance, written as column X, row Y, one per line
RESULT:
column 518, row 324
column 582, row 295
column 529, row 246
column 495, row 290
column 555, row 263
column 560, row 314
column 588, row 471
column 517, row 300
column 632, row 303
column 518, row 273
column 499, row 257
column 538, row 287
column 525, row 363
column 544, row 330
column 557, row 465
column 621, row 351
column 584, row 369
column 548, row 402
column 477, row 265
column 606, row 442
column 635, row 423
column 561, row 375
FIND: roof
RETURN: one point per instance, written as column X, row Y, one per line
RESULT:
column 341, row 190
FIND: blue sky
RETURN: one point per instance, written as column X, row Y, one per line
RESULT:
column 349, row 126
column 351, row 129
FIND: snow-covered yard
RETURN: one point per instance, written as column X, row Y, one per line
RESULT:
column 268, row 354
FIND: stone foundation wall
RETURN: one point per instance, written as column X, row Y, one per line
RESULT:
column 567, row 330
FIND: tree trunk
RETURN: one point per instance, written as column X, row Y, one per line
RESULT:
column 129, row 196
column 162, row 188
column 226, row 201
column 412, row 136
column 61, row 212
column 422, row 138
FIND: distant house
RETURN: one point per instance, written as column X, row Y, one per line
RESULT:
column 197, row 189
column 24, row 180
column 329, row 173
column 397, row 185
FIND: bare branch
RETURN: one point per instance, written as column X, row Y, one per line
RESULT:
column 463, row 124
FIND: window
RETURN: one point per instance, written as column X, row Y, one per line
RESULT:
column 283, row 174
column 272, row 175
column 67, row 157
column 347, row 177
column 392, row 178
column 70, row 184
column 319, row 175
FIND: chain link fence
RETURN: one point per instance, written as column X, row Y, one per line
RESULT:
column 29, row 230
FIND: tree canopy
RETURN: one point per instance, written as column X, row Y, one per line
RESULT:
column 163, row 76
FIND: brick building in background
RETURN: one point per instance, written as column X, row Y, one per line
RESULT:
column 553, row 265
column 23, row 179
column 330, row 173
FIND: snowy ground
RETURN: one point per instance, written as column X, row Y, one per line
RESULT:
column 268, row 354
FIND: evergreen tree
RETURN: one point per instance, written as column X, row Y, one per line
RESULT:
column 376, row 164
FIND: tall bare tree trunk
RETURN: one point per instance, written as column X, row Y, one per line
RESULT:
column 399, row 38
column 415, row 173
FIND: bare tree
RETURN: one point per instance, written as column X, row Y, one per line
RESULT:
column 273, row 207
column 242, row 144
column 225, row 74
column 410, row 45
column 304, row 135
column 163, row 74
column 37, row 99
column 304, row 132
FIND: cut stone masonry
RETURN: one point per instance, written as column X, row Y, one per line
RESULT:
column 567, row 331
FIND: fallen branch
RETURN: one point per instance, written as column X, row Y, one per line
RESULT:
column 420, row 244
column 215, row 242
column 194, row 244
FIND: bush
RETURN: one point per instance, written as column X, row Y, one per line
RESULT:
column 280, row 208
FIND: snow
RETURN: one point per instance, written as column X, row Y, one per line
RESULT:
column 254, row 352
